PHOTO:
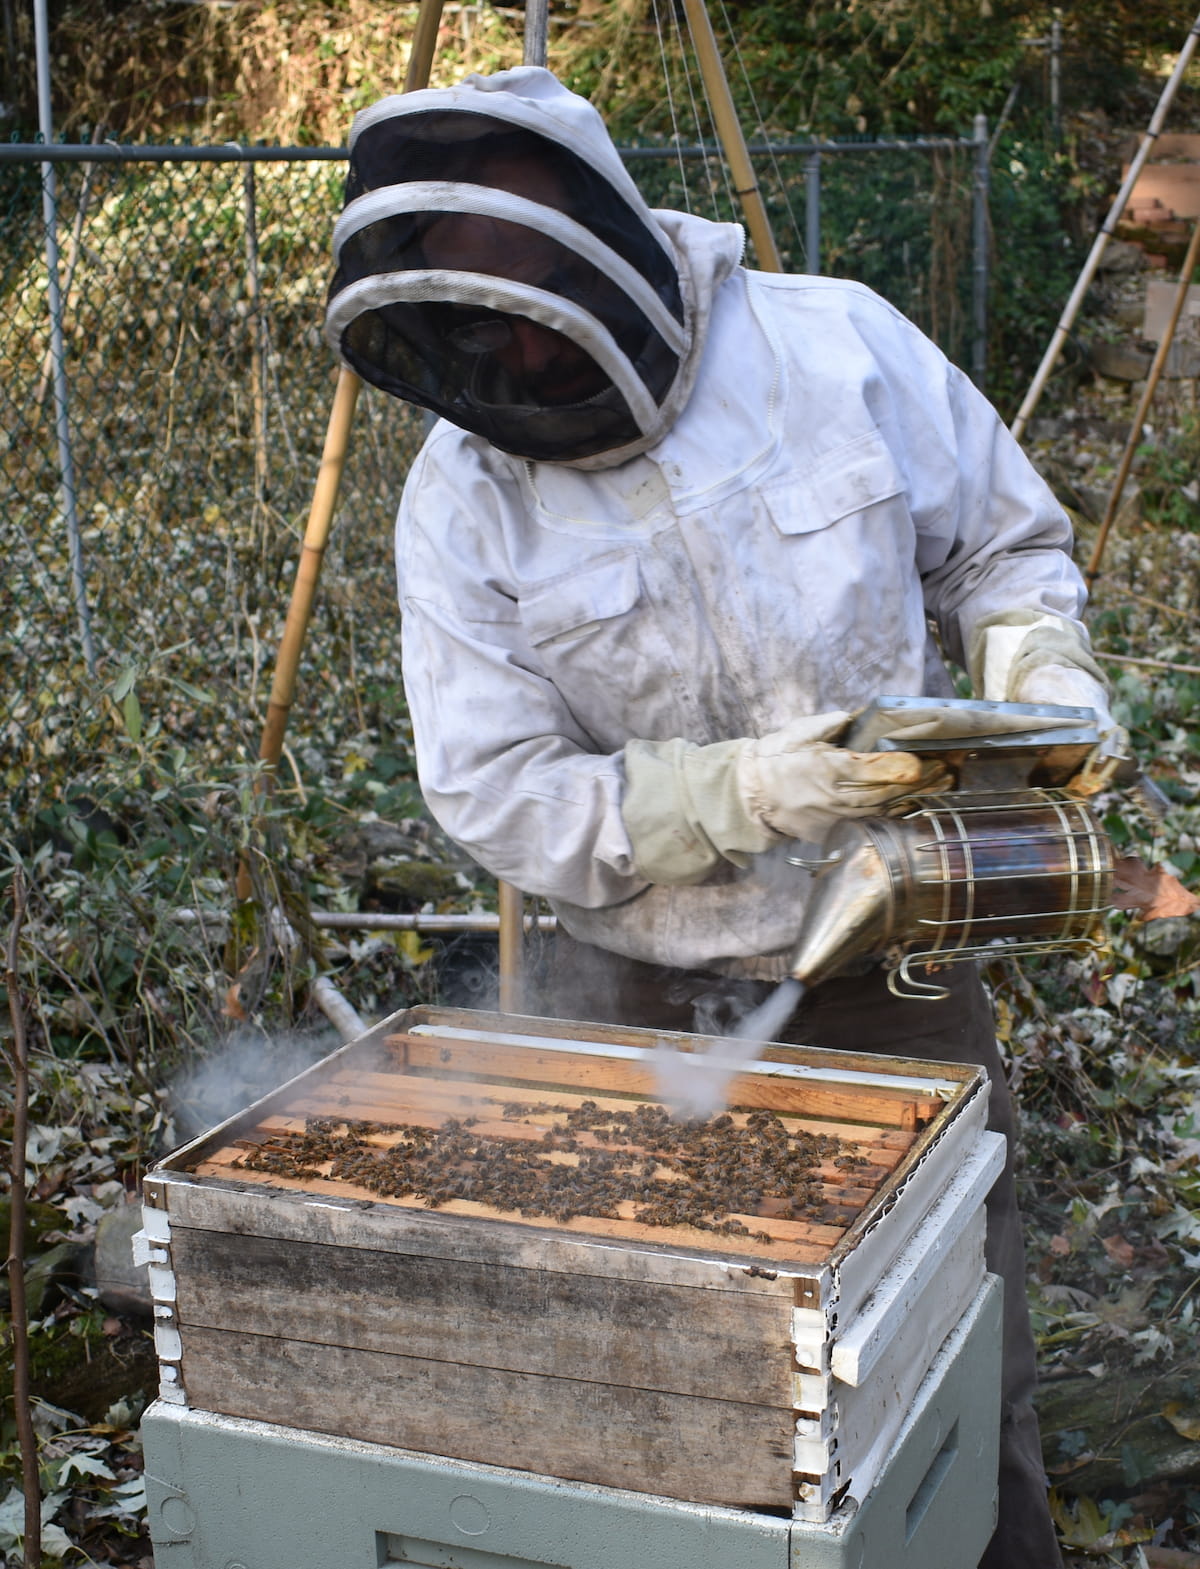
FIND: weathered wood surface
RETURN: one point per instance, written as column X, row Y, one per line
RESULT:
column 408, row 1093
column 505, row 1097
column 858, row 1428
column 480, row 1062
column 696, row 1449
column 298, row 1215
column 650, row 1039
column 920, row 1275
column 669, row 1338
column 870, row 1248
column 841, row 1186
column 791, row 1242
column 369, row 1055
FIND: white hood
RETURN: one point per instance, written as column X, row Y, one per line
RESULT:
column 483, row 215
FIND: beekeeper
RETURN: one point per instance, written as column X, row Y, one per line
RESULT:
column 680, row 520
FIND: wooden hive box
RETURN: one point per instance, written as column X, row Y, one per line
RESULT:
column 767, row 1363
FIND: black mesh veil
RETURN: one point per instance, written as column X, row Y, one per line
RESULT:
column 490, row 274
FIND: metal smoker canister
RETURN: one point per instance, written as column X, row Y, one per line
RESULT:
column 957, row 876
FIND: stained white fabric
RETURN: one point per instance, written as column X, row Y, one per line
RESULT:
column 1055, row 683
column 1044, row 659
column 832, row 491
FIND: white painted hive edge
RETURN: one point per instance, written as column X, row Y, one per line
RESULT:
column 862, row 1268
column 859, row 1346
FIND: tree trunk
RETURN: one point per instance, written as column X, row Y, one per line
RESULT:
column 1125, row 1438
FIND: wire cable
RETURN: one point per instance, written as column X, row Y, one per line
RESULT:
column 762, row 133
column 662, row 52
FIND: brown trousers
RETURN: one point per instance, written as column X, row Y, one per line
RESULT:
column 858, row 1013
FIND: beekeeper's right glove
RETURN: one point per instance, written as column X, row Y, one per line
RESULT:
column 687, row 807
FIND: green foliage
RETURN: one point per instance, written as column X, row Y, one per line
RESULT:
column 1035, row 257
column 1167, row 474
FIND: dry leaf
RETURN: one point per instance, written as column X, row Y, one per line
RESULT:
column 1150, row 890
column 1186, row 1423
column 1095, row 990
column 1060, row 1245
column 1120, row 1251
column 1004, row 1021
column 233, row 1006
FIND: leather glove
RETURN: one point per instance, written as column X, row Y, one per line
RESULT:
column 1025, row 657
column 798, row 782
column 686, row 808
column 1069, row 684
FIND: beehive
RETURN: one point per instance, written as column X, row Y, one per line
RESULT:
column 764, row 1359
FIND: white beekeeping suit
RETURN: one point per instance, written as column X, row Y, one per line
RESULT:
column 680, row 521
column 659, row 555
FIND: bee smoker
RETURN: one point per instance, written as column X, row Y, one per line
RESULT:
column 1010, row 860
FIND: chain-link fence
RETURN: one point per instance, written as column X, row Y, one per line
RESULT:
column 163, row 414
column 179, row 446
column 908, row 218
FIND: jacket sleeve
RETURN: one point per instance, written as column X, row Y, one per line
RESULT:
column 992, row 539
column 504, row 766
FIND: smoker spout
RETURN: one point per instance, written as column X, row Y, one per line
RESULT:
column 849, row 910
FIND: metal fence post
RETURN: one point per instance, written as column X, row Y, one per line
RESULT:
column 258, row 378
column 1056, row 79
column 54, row 304
column 812, row 212
column 979, row 248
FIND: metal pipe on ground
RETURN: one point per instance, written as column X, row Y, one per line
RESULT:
column 511, row 920
column 388, row 921
column 366, row 921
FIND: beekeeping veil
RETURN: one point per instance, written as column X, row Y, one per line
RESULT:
column 496, row 264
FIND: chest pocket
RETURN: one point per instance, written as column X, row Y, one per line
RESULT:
column 846, row 481
column 599, row 639
column 848, row 532
column 569, row 608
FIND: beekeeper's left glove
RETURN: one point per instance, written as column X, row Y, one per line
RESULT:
column 1024, row 656
column 687, row 808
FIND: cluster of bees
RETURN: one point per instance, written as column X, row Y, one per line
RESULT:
column 701, row 1173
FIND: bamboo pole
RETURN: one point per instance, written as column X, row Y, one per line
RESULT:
column 420, row 59
column 1152, row 379
column 716, row 85
column 329, row 475
column 1107, row 229
column 308, row 568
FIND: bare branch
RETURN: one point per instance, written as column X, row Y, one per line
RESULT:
column 16, row 1238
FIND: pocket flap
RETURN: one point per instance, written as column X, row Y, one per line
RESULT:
column 849, row 479
column 568, row 604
